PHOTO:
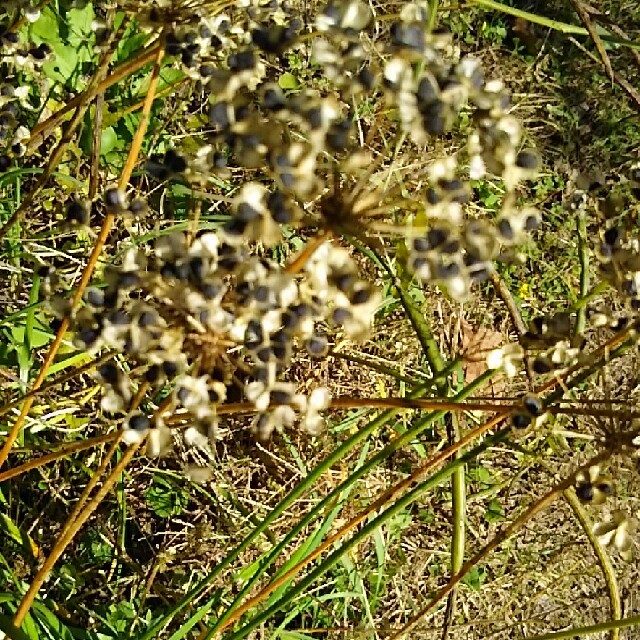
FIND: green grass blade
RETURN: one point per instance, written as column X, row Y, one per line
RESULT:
column 562, row 27
column 359, row 437
column 366, row 531
column 399, row 442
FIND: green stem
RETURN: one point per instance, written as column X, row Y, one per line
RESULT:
column 562, row 27
column 397, row 443
column 298, row 491
column 603, row 558
column 583, row 252
column 580, row 632
column 400, row 504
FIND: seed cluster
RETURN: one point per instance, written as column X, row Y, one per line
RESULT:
column 202, row 316
column 207, row 314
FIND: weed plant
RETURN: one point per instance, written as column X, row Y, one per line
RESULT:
column 307, row 331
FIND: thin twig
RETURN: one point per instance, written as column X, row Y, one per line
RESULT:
column 56, row 382
column 622, row 81
column 586, row 21
column 62, row 452
column 96, row 146
column 41, row 130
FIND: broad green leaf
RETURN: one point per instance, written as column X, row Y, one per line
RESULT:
column 288, row 81
column 108, row 140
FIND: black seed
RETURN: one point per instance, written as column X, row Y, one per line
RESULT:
column 187, row 59
column 37, row 54
column 611, row 236
column 170, row 368
column 241, row 61
column 253, row 336
column 433, row 120
column 585, row 492
column 314, row 116
column 274, row 39
column 109, row 372
column 156, row 169
column 432, row 196
column 139, row 422
column 152, row 374
column 528, row 159
column 247, row 213
column 242, row 112
column 531, row 223
column 446, row 271
column 114, row 198
column 280, row 397
column 147, row 319
column 532, row 404
column 172, row 45
column 219, row 114
column 436, row 237
column 419, row 263
column 219, row 160
column 110, row 298
column 264, row 354
column 520, row 420
column 88, row 336
column 366, row 78
column 196, row 268
column 5, row 162
column 340, row 315
column 301, row 310
column 426, row 93
column 210, row 290
column 128, row 280
column 605, row 487
column 77, row 213
column 95, row 297
column 262, row 293
column 410, row 35
column 542, row 365
column 360, row 297
column 289, row 320
column 174, row 162
column 451, row 247
column 138, row 207
column 280, row 351
column 539, row 325
column 273, row 100
column 235, row 227
column 505, row 229
column 118, row 318
column 278, row 206
column 317, row 345
column 629, row 287
column 344, row 281
column 451, row 185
